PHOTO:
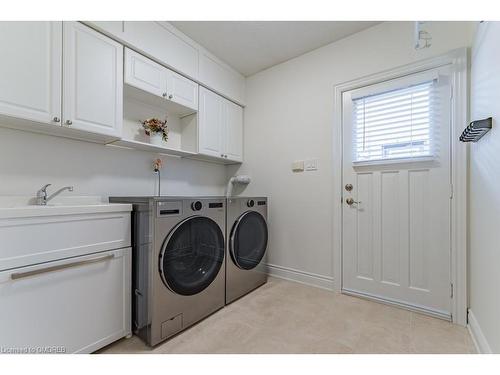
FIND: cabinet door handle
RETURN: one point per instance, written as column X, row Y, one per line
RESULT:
column 56, row 119
column 170, row 96
column 69, row 122
column 22, row 275
column 164, row 94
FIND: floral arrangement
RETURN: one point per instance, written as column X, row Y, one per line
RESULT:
column 154, row 125
column 157, row 165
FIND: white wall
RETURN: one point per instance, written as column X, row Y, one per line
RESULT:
column 484, row 264
column 289, row 117
column 29, row 160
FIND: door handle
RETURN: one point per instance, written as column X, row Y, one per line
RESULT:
column 351, row 201
column 22, row 275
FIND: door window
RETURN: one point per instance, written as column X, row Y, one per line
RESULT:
column 249, row 240
column 192, row 255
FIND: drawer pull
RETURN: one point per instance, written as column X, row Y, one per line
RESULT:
column 21, row 275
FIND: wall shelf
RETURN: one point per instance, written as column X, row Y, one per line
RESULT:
column 182, row 124
column 143, row 146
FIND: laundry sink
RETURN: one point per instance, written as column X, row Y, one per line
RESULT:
column 21, row 206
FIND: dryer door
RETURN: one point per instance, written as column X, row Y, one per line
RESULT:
column 248, row 240
column 192, row 255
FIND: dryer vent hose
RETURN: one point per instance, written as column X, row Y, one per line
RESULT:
column 240, row 179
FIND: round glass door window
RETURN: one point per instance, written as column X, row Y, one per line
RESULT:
column 192, row 255
column 248, row 240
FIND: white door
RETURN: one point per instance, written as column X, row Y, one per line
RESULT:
column 233, row 131
column 92, row 81
column 182, row 90
column 210, row 123
column 30, row 70
column 396, row 216
column 145, row 74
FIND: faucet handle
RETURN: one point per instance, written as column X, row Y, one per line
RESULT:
column 43, row 189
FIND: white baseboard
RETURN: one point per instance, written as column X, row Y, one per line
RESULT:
column 477, row 335
column 320, row 281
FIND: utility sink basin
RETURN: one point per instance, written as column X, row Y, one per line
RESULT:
column 19, row 206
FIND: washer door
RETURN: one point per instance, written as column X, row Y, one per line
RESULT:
column 192, row 255
column 248, row 240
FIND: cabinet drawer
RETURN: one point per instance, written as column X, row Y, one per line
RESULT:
column 77, row 305
column 42, row 239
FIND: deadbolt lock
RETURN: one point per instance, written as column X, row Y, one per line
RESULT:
column 348, row 187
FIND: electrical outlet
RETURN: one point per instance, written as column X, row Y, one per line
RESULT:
column 311, row 165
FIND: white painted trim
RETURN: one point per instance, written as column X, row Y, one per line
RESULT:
column 308, row 278
column 477, row 335
column 458, row 60
column 403, row 305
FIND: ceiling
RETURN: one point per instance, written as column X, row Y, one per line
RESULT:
column 252, row 46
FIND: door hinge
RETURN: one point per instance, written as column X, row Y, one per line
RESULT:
column 451, row 290
column 451, row 191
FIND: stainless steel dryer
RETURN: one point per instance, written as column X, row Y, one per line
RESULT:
column 178, row 263
column 246, row 245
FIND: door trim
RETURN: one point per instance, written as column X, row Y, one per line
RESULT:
column 458, row 60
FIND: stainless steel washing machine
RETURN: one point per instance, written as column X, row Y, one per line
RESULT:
column 246, row 245
column 178, row 263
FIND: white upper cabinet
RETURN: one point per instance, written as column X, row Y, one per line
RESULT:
column 182, row 90
column 92, row 81
column 113, row 28
column 156, row 40
column 210, row 121
column 220, row 127
column 144, row 73
column 30, row 71
column 162, row 42
column 221, row 78
column 233, row 137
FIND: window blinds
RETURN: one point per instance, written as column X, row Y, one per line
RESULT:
column 396, row 124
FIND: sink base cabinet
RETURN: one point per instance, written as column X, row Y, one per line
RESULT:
column 75, row 305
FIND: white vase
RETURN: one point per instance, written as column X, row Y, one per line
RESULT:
column 156, row 139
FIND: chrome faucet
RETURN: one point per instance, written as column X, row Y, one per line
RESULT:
column 41, row 195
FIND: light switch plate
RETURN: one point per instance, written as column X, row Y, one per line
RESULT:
column 298, row 166
column 311, row 165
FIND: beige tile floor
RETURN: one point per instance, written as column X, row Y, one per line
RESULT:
column 287, row 317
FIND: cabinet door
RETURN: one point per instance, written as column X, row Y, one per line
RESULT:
column 30, row 70
column 221, row 78
column 92, row 81
column 210, row 123
column 145, row 74
column 78, row 304
column 113, row 28
column 233, row 131
column 156, row 40
column 182, row 90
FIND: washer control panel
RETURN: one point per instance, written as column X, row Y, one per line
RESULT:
column 196, row 206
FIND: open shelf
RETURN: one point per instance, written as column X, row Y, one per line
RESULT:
column 182, row 124
column 172, row 108
column 143, row 146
